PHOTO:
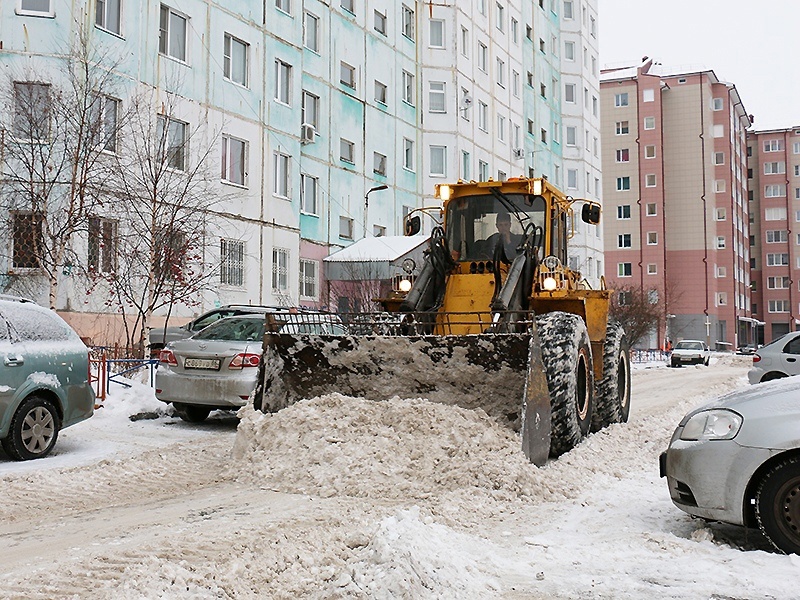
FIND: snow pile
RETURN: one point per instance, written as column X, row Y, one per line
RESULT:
column 417, row 555
column 394, row 449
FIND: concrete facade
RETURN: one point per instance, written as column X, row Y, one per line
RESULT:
column 774, row 180
column 674, row 165
column 366, row 76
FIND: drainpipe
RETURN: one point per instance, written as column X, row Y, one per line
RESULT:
column 667, row 308
column 792, row 315
column 705, row 207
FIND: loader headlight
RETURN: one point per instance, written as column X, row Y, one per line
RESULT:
column 404, row 285
column 549, row 284
column 444, row 192
column 713, row 424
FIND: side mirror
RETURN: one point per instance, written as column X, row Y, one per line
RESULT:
column 413, row 225
column 590, row 213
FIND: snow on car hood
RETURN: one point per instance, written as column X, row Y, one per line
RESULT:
column 781, row 396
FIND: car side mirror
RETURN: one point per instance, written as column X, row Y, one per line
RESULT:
column 413, row 225
column 590, row 213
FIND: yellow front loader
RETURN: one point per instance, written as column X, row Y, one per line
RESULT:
column 495, row 320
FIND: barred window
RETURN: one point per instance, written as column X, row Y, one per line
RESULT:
column 27, row 234
column 280, row 270
column 231, row 268
column 308, row 279
column 102, row 250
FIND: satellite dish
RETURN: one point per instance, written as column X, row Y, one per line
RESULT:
column 466, row 101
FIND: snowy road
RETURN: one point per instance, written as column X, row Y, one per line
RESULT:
column 371, row 500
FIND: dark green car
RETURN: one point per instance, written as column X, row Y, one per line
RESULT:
column 44, row 378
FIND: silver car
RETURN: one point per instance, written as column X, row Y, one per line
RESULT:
column 737, row 460
column 780, row 358
column 44, row 378
column 214, row 369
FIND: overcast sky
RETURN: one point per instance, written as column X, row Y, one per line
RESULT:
column 754, row 45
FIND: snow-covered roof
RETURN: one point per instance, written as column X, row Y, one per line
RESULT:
column 384, row 248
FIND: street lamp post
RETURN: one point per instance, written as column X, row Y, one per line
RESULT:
column 667, row 334
column 377, row 188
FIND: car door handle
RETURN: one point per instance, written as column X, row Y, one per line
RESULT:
column 13, row 361
column 790, row 359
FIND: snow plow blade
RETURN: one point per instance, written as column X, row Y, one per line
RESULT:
column 502, row 374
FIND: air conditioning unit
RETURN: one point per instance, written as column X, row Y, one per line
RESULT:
column 519, row 153
column 307, row 133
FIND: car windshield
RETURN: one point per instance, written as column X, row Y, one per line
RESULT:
column 234, row 329
column 689, row 346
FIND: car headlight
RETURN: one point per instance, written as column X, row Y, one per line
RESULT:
column 713, row 424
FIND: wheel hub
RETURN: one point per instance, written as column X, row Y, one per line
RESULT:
column 790, row 498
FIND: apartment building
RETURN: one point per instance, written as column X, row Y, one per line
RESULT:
column 580, row 104
column 675, row 199
column 325, row 121
column 773, row 171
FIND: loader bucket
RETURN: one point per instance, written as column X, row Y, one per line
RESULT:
column 502, row 374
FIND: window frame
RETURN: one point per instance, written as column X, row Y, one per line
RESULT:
column 228, row 60
column 227, row 159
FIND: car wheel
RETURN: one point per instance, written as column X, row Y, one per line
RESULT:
column 772, row 376
column 706, row 361
column 778, row 506
column 674, row 364
column 192, row 413
column 34, row 429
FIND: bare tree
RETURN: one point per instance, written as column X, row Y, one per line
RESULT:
column 164, row 197
column 54, row 160
column 639, row 311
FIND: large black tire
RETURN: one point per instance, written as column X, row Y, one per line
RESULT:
column 34, row 429
column 192, row 413
column 612, row 396
column 778, row 506
column 567, row 357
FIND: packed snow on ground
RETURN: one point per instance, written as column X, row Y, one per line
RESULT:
column 341, row 497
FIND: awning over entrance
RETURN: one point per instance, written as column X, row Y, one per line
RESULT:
column 375, row 258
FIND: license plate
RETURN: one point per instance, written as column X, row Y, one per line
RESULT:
column 211, row 364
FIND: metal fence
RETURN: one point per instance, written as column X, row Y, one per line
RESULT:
column 645, row 356
column 106, row 369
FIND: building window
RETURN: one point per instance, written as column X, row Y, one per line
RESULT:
column 483, row 116
column 408, row 88
column 231, row 262
column 721, row 273
column 308, row 279
column 172, row 34
column 347, row 151
column 624, row 211
column 283, row 82
column 464, row 41
column 652, row 238
column 408, row 22
column 572, row 179
column 284, row 5
column 515, row 83
column 624, row 240
column 514, row 30
column 623, row 184
column 378, row 231
column 773, row 168
column 379, row 163
column 649, row 122
column 309, row 187
column 483, row 57
column 234, row 64
column 311, row 32
column 719, row 158
column 652, row 269
column 107, row 13
column 310, row 110
column 280, row 270
column 380, row 22
column 106, row 117
column 776, row 214
column 569, row 51
column 720, row 214
column 173, row 137
column 779, row 236
column 348, row 5
column 482, row 7
column 571, row 136
column 624, row 270
column 483, row 170
column 438, row 161
column 466, row 167
column 778, row 283
column 621, row 99
column 719, row 186
column 648, row 95
column 543, row 90
column 778, row 306
column 543, row 135
column 436, row 38
column 408, row 154
column 623, row 155
column 380, row 92
column 501, row 73
column 775, row 191
column 102, row 249
column 234, row 157
column 347, row 75
column 773, row 145
column 569, row 93
column 281, row 175
column 436, row 97
column 501, row 128
column 569, row 9
column 650, row 180
column 346, row 228
column 621, row 127
column 500, row 14
column 778, row 259
column 31, row 111
column 722, row 298
column 27, row 240
column 720, row 242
